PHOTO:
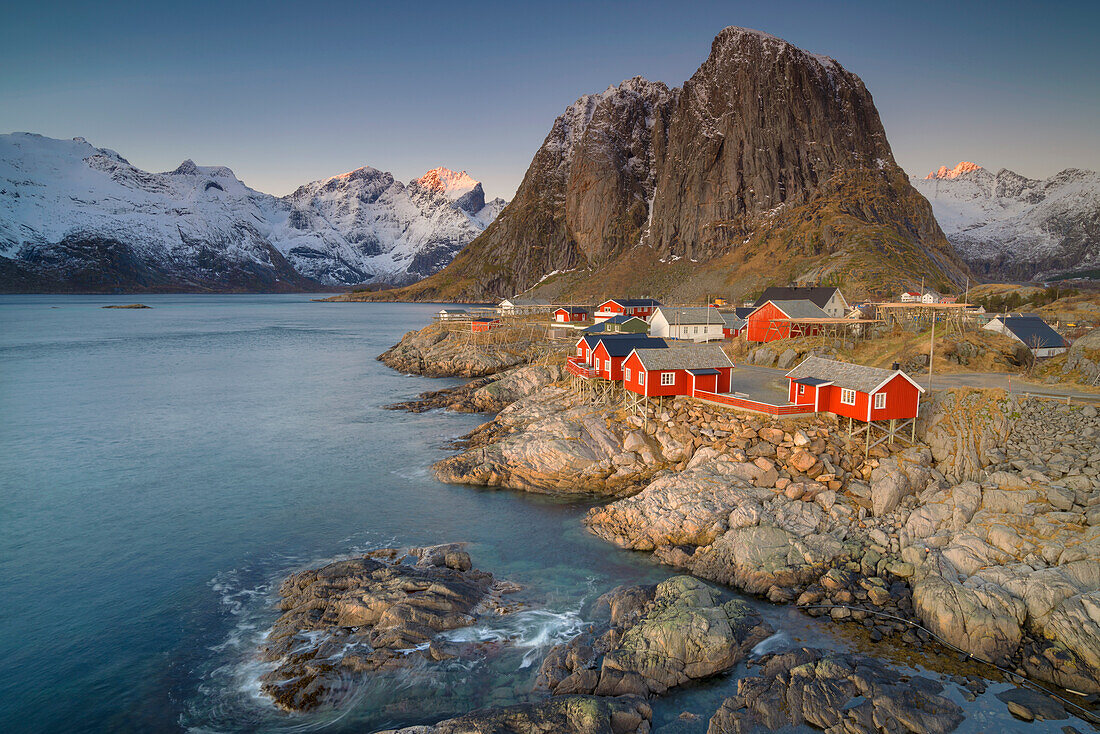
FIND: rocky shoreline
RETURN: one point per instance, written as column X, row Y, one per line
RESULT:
column 445, row 349
column 985, row 535
column 376, row 612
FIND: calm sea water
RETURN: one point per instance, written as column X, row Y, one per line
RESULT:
column 161, row 470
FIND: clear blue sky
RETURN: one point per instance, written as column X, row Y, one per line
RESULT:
column 287, row 93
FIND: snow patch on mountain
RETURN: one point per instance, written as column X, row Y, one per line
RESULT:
column 62, row 199
column 1007, row 225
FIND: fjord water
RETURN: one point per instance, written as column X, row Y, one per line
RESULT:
column 161, row 470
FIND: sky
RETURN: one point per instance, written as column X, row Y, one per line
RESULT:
column 286, row 93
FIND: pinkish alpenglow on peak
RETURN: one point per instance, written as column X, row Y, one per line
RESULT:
column 454, row 184
column 945, row 172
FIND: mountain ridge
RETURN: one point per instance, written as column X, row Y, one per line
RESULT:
column 74, row 217
column 770, row 163
column 1008, row 226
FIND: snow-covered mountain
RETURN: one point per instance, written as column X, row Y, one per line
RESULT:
column 1008, row 226
column 77, row 217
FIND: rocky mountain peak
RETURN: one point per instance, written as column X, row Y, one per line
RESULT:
column 770, row 162
column 452, row 184
column 949, row 173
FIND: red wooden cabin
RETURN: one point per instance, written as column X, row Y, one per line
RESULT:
column 484, row 324
column 677, row 370
column 643, row 308
column 854, row 391
column 781, row 320
column 569, row 314
column 610, row 352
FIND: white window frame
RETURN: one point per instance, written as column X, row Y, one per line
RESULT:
column 668, row 379
column 801, row 389
column 580, row 351
column 641, row 378
column 626, row 374
column 847, row 396
column 880, row 400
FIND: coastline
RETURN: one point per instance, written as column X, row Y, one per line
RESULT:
column 782, row 512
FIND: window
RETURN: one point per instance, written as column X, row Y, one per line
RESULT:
column 847, row 397
column 801, row 389
column 641, row 379
column 696, row 329
column 880, row 400
column 626, row 374
column 580, row 352
column 668, row 378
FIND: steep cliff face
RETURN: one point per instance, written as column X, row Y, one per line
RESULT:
column 770, row 164
column 583, row 201
column 760, row 125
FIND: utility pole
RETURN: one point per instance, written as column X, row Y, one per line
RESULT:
column 931, row 353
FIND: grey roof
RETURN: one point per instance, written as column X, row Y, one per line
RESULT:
column 818, row 295
column 706, row 371
column 813, row 381
column 572, row 309
column 595, row 328
column 800, row 309
column 453, row 310
column 842, row 374
column 622, row 318
column 694, row 357
column 743, row 311
column 635, row 301
column 1033, row 331
column 692, row 315
column 593, row 339
column 733, row 321
column 620, row 345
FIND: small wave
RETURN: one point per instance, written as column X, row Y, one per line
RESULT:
column 532, row 631
column 778, row 641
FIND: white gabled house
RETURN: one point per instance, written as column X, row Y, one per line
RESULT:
column 697, row 324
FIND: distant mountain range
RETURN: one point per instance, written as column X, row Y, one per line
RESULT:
column 74, row 217
column 769, row 165
column 1010, row 227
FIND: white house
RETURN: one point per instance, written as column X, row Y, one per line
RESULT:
column 910, row 297
column 516, row 305
column 930, row 297
column 1037, row 334
column 698, row 324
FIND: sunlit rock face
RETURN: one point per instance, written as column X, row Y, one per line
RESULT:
column 945, row 172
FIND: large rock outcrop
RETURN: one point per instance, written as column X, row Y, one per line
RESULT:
column 558, row 715
column 769, row 155
column 366, row 614
column 837, row 693
column 447, row 350
column 654, row 639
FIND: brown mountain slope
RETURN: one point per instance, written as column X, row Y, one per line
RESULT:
column 770, row 165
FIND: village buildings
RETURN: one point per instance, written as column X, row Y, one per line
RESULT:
column 639, row 307
column 1031, row 330
column 854, row 391
column 570, row 314
column 783, row 320
column 677, row 370
column 828, row 299
column 701, row 324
